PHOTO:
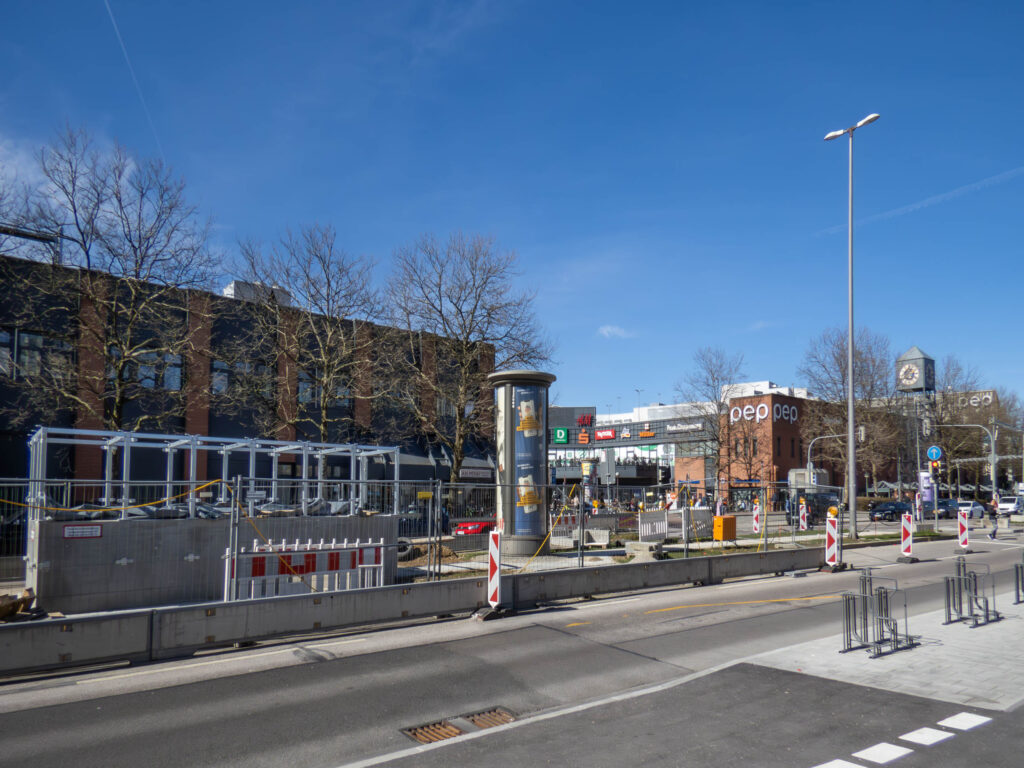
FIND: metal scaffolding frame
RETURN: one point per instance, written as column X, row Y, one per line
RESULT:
column 127, row 443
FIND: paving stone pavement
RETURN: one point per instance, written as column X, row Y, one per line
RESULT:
column 979, row 667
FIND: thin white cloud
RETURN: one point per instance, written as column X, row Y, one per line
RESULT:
column 18, row 163
column 760, row 325
column 614, row 332
column 933, row 200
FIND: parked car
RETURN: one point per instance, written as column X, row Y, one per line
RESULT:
column 972, row 508
column 470, row 528
column 817, row 508
column 947, row 508
column 415, row 521
column 1009, row 505
column 890, row 511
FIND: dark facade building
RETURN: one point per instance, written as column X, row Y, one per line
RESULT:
column 191, row 364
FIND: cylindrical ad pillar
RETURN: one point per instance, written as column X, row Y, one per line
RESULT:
column 521, row 434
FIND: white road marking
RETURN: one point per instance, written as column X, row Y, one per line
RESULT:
column 927, row 736
column 839, row 764
column 606, row 603
column 965, row 721
column 883, row 753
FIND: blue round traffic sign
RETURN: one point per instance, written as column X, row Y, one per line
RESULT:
column 934, row 453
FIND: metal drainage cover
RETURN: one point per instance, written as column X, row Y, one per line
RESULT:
column 439, row 731
column 490, row 718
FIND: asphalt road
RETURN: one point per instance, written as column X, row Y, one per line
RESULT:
column 649, row 677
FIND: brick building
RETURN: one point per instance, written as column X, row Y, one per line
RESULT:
column 182, row 388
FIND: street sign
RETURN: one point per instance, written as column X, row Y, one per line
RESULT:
column 831, row 541
column 757, row 516
column 934, row 453
column 494, row 569
column 803, row 515
column 961, row 520
column 907, row 536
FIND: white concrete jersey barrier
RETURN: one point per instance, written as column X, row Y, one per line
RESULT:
column 298, row 568
column 148, row 634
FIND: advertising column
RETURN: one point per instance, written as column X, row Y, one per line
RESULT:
column 521, row 420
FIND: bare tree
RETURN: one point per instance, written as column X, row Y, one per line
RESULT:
column 304, row 340
column 824, row 370
column 113, row 310
column 707, row 389
column 458, row 316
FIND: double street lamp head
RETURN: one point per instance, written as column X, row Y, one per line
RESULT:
column 836, row 134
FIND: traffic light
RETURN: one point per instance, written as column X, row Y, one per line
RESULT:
column 934, row 467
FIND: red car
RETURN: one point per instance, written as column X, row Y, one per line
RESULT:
column 469, row 528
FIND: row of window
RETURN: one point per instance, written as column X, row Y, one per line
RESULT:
column 22, row 354
column 748, row 446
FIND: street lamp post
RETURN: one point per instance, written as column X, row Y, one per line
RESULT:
column 851, row 446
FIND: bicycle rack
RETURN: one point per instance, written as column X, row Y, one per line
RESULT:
column 868, row 621
column 969, row 587
column 1018, row 582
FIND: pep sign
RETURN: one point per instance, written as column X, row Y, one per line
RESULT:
column 759, row 413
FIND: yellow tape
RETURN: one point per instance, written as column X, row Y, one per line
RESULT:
column 116, row 509
column 545, row 541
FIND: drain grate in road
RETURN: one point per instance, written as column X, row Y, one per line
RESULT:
column 490, row 718
column 431, row 732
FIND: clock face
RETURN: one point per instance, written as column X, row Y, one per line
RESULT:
column 909, row 374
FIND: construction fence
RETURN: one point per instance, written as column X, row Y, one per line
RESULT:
column 108, row 545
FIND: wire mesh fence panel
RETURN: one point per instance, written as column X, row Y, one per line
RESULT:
column 13, row 531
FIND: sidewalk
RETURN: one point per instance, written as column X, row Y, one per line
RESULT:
column 977, row 667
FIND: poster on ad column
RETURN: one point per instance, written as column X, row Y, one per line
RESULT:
column 528, row 405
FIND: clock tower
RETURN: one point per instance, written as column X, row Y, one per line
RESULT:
column 915, row 372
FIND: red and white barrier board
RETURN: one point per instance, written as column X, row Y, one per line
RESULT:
column 831, row 541
column 301, row 568
column 907, row 536
column 757, row 516
column 961, row 527
column 494, row 569
column 803, row 515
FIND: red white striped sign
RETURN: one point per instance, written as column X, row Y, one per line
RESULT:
column 803, row 515
column 831, row 541
column 494, row 569
column 757, row 516
column 961, row 525
column 907, row 536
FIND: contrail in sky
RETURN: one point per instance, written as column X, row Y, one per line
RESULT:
column 934, row 199
column 135, row 80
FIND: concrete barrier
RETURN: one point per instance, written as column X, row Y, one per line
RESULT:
column 181, row 630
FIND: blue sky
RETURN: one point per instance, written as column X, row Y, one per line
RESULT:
column 658, row 167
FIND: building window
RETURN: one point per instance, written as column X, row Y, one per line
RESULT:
column 754, row 447
column 792, row 447
column 172, row 373
column 6, row 353
column 305, row 394
column 30, row 353
column 219, row 377
column 778, row 446
column 737, row 451
column 801, row 446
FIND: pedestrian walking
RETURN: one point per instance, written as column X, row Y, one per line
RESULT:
column 993, row 514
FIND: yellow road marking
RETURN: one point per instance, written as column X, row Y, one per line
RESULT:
column 743, row 602
column 577, row 624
